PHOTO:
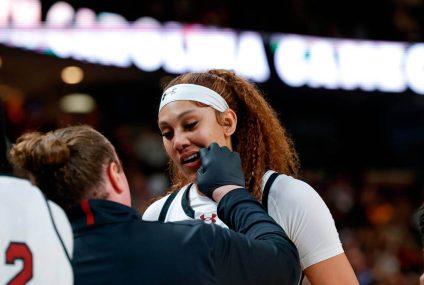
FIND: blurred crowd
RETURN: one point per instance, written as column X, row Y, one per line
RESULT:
column 374, row 211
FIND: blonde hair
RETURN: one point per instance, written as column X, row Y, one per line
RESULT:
column 260, row 138
column 66, row 164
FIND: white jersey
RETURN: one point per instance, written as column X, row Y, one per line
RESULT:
column 36, row 241
column 293, row 204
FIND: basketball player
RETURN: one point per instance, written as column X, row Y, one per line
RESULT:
column 219, row 106
column 36, row 239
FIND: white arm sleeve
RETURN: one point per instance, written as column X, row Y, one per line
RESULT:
column 305, row 217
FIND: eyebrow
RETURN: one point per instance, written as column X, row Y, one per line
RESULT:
column 179, row 116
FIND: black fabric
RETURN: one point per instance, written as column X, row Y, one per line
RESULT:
column 267, row 188
column 166, row 205
column 185, row 202
column 120, row 248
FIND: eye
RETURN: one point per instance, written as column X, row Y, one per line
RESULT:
column 167, row 134
column 190, row 126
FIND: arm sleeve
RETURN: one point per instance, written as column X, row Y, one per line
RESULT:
column 300, row 210
column 262, row 254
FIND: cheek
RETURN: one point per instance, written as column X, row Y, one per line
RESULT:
column 168, row 148
column 216, row 134
column 204, row 137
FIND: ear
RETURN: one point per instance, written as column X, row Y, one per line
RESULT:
column 229, row 122
column 114, row 174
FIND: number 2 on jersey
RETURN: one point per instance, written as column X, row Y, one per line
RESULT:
column 15, row 251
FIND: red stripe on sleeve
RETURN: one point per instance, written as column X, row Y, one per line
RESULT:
column 85, row 205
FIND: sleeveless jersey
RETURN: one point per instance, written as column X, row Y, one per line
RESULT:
column 36, row 240
column 293, row 204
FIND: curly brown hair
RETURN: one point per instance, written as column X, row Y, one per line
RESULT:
column 260, row 138
column 67, row 164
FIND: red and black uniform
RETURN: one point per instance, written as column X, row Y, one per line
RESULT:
column 114, row 246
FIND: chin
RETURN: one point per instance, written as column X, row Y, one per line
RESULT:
column 192, row 177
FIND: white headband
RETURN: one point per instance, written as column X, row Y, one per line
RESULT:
column 193, row 92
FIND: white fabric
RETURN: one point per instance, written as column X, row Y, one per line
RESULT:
column 294, row 204
column 305, row 217
column 25, row 218
column 203, row 208
column 201, row 205
column 193, row 92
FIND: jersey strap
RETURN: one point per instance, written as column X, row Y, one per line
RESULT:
column 168, row 203
column 185, row 203
column 267, row 187
column 56, row 230
column 165, row 207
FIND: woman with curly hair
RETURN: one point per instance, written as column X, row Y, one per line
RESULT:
column 197, row 109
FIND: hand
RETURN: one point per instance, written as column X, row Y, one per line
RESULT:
column 220, row 167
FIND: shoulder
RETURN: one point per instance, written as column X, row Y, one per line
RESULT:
column 201, row 232
column 287, row 188
column 166, row 203
column 152, row 212
column 183, row 232
column 291, row 195
column 300, row 210
column 295, row 198
column 20, row 196
column 63, row 226
column 13, row 186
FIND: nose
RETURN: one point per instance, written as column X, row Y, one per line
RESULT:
column 180, row 141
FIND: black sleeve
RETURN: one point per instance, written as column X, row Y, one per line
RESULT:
column 263, row 254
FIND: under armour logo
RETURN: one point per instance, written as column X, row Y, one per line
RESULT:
column 172, row 91
column 211, row 219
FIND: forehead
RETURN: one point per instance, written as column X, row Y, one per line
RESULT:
column 179, row 108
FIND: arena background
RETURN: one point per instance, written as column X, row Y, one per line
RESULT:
column 363, row 151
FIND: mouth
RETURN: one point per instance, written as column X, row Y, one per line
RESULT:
column 191, row 158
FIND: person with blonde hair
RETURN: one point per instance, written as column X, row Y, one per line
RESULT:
column 199, row 108
column 78, row 168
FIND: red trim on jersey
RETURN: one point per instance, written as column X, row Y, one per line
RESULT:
column 85, row 205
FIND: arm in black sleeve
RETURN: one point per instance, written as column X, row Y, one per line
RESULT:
column 263, row 255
